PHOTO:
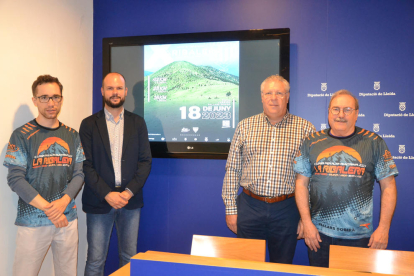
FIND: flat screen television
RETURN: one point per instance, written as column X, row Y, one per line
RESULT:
column 192, row 89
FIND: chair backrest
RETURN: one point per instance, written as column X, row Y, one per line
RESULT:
column 230, row 248
column 371, row 260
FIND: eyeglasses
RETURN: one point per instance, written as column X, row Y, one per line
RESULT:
column 277, row 94
column 345, row 110
column 46, row 99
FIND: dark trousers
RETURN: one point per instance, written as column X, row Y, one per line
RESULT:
column 321, row 258
column 276, row 223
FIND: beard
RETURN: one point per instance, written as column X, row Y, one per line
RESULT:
column 112, row 105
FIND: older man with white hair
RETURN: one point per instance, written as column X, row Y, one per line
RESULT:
column 261, row 161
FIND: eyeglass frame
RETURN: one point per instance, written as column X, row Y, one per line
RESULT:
column 277, row 94
column 53, row 98
column 347, row 112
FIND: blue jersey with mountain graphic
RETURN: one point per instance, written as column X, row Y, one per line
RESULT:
column 342, row 173
column 49, row 157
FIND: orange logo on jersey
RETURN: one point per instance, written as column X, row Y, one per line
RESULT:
column 53, row 144
column 12, row 148
column 336, row 150
column 53, row 151
column 365, row 225
column 343, row 170
column 341, row 161
column 387, row 156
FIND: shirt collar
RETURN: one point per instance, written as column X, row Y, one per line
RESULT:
column 110, row 117
column 284, row 119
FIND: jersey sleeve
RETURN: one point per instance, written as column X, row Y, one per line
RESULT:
column 385, row 165
column 80, row 155
column 301, row 164
column 16, row 154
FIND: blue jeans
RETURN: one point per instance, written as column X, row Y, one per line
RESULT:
column 321, row 258
column 99, row 229
column 277, row 223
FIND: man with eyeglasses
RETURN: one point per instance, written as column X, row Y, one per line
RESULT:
column 340, row 165
column 261, row 161
column 44, row 159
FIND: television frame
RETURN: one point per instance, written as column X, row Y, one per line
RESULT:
column 204, row 150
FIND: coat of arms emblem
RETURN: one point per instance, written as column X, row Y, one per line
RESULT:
column 402, row 106
column 401, row 149
column 376, row 85
column 376, row 127
column 324, row 86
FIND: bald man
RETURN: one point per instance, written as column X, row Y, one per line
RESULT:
column 118, row 162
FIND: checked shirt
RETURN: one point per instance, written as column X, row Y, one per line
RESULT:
column 261, row 157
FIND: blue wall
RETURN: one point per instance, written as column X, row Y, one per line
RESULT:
column 346, row 44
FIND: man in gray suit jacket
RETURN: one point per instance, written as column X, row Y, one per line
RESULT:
column 118, row 162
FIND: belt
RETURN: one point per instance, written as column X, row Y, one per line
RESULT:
column 268, row 199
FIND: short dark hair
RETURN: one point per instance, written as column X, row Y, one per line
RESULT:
column 45, row 79
column 113, row 73
column 344, row 92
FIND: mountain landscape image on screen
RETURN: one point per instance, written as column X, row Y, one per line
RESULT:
column 182, row 83
column 184, row 79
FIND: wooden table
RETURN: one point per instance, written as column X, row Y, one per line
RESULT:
column 162, row 263
column 372, row 260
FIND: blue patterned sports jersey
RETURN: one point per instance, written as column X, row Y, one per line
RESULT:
column 342, row 173
column 49, row 157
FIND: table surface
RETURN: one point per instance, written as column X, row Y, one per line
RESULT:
column 232, row 263
column 375, row 260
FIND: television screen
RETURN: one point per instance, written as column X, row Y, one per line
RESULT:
column 193, row 89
